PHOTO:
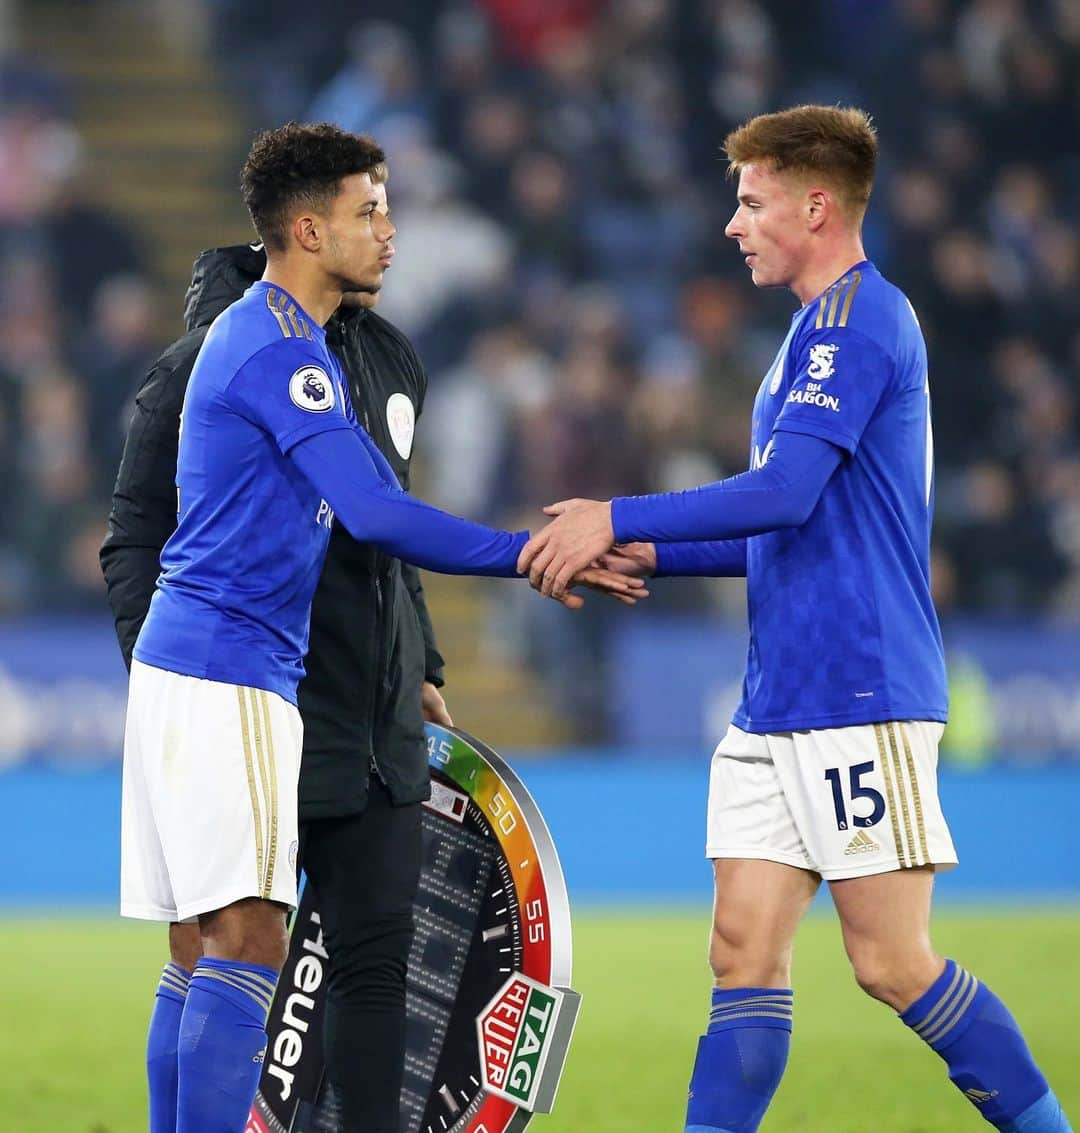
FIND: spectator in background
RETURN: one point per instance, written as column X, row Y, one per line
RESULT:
column 113, row 356
column 379, row 89
column 440, row 227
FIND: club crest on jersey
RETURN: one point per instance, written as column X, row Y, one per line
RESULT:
column 777, row 375
column 401, row 421
column 311, row 388
column 821, row 361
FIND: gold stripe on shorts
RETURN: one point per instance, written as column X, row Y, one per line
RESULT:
column 256, row 812
column 919, row 823
column 901, row 849
column 902, row 792
column 260, row 758
column 272, row 770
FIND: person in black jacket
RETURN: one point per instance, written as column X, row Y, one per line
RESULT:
column 373, row 676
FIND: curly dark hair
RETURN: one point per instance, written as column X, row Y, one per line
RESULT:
column 301, row 165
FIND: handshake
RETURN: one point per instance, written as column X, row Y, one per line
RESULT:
column 578, row 548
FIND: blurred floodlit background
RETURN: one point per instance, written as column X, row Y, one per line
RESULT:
column 560, row 200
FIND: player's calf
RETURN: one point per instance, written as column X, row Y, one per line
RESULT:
column 161, row 1046
column 988, row 1059
column 222, row 1040
column 740, row 1059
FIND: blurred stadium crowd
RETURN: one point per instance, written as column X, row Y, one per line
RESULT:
column 560, row 200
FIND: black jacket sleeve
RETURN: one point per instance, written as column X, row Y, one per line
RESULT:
column 143, row 513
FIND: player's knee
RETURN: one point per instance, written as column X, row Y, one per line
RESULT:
column 185, row 945
column 250, row 931
column 893, row 978
column 874, row 976
column 738, row 961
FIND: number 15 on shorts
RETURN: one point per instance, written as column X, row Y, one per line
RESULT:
column 858, row 796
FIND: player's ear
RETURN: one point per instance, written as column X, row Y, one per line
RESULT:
column 819, row 203
column 307, row 232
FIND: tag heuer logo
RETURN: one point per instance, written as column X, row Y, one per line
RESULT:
column 514, row 1030
column 821, row 361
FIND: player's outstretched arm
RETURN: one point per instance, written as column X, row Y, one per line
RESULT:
column 781, row 493
column 339, row 465
column 717, row 558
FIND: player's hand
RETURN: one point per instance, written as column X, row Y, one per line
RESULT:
column 620, row 586
column 628, row 590
column 636, row 560
column 435, row 710
column 580, row 532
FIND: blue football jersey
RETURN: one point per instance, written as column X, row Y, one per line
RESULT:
column 842, row 627
column 233, row 600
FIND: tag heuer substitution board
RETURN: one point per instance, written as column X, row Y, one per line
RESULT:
column 490, row 1010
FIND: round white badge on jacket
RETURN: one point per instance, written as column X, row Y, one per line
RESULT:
column 311, row 388
column 401, row 419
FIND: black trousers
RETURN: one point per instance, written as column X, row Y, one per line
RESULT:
column 365, row 869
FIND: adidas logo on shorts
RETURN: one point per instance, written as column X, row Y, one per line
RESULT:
column 862, row 843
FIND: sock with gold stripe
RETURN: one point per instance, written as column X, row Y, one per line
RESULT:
column 740, row 1059
column 161, row 1047
column 222, row 1044
column 988, row 1059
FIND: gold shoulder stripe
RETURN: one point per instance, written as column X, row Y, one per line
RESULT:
column 846, row 309
column 837, row 288
column 294, row 321
column 821, row 312
column 822, row 304
column 272, row 303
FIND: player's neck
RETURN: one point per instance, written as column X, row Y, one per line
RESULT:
column 318, row 300
column 824, row 270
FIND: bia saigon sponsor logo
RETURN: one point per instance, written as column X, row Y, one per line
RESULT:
column 819, row 369
column 821, row 361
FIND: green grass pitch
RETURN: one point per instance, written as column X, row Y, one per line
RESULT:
column 74, row 997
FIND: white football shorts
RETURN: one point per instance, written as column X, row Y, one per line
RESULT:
column 210, row 796
column 842, row 802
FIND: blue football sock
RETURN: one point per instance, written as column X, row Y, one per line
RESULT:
column 222, row 1044
column 740, row 1059
column 988, row 1060
column 161, row 1047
